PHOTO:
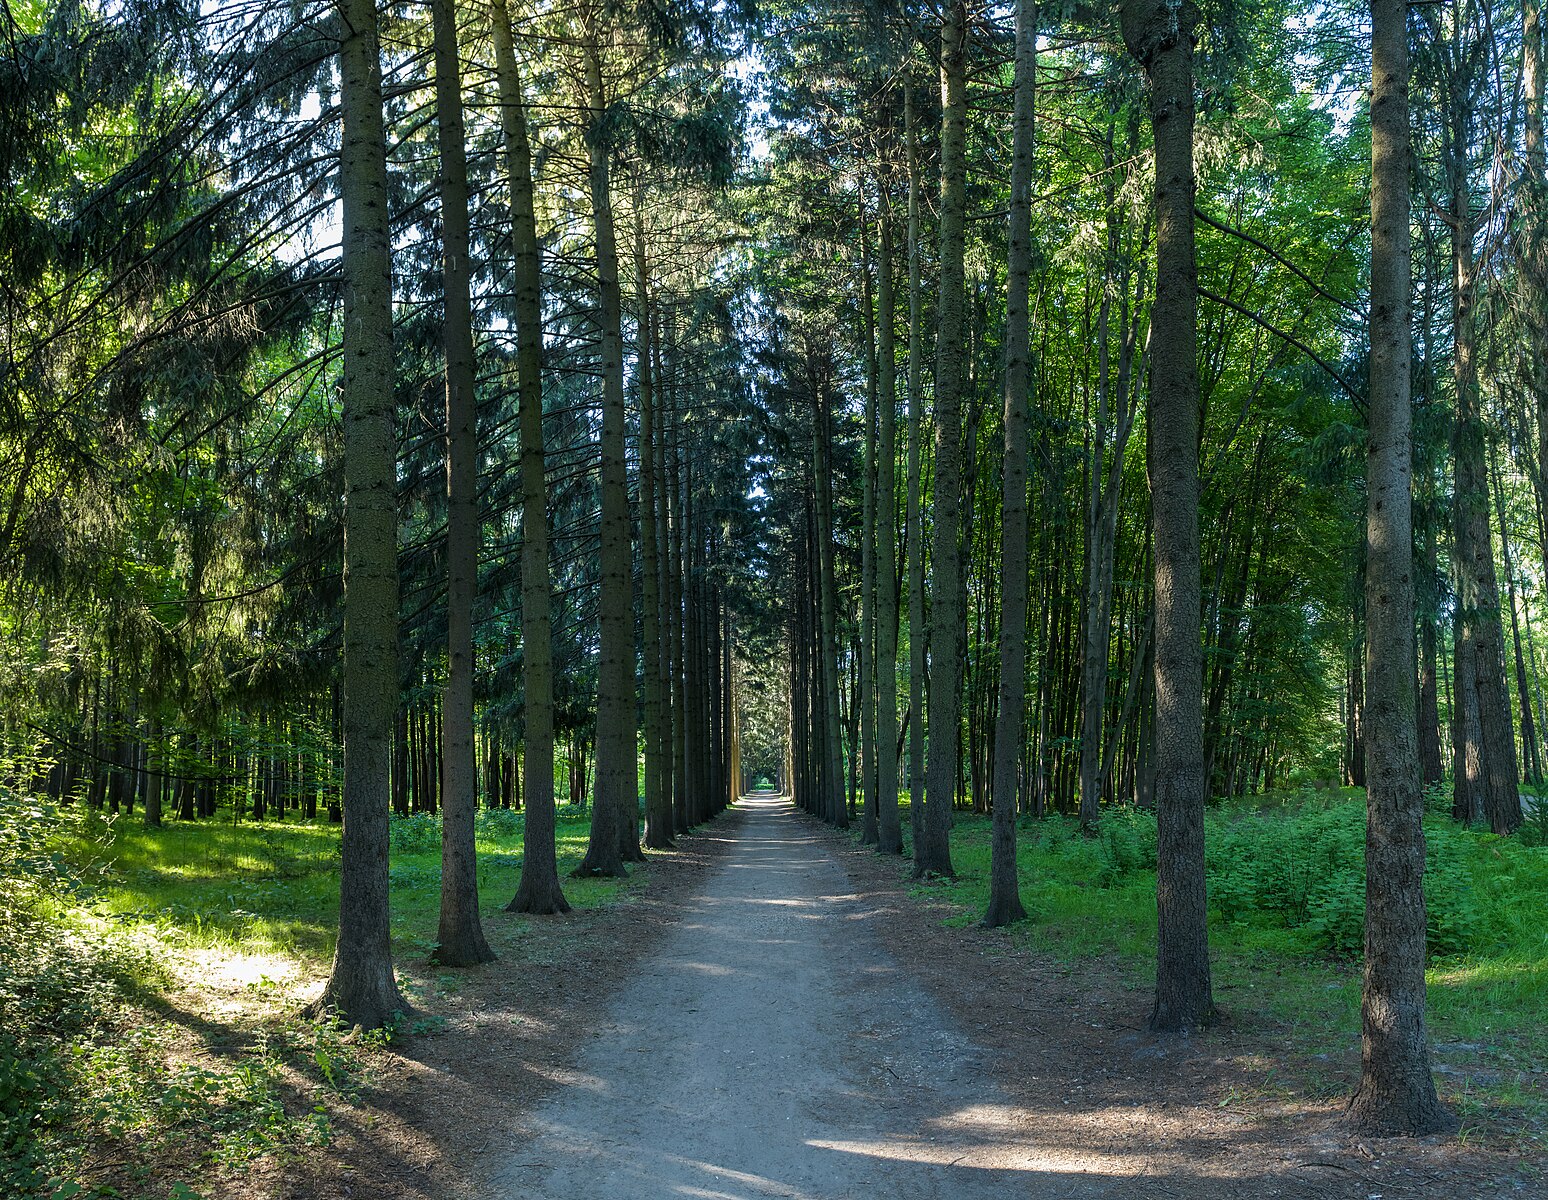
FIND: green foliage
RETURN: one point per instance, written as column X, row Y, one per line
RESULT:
column 1287, row 899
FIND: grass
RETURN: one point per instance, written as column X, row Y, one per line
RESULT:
column 151, row 988
column 1286, row 887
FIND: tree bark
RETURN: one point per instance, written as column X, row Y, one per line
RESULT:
column 918, row 635
column 1396, row 1093
column 614, row 807
column 932, row 854
column 1160, row 37
column 658, row 800
column 538, row 890
column 889, row 831
column 460, row 940
column 1486, row 770
column 1010, row 725
column 361, row 987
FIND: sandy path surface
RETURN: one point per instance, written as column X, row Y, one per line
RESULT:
column 772, row 1047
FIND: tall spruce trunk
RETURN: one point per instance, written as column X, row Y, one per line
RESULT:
column 361, row 987
column 1010, row 723
column 1396, row 1093
column 658, row 797
column 1485, row 749
column 932, row 855
column 918, row 635
column 889, row 830
column 833, row 809
column 865, row 691
column 538, row 890
column 614, row 811
column 1160, row 37
column 460, row 937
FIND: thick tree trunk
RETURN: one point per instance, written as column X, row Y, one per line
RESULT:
column 1010, row 728
column 460, row 938
column 932, row 854
column 1396, row 1093
column 538, row 890
column 361, row 987
column 1160, row 37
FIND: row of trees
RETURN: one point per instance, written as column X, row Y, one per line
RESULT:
column 1019, row 420
column 1224, row 593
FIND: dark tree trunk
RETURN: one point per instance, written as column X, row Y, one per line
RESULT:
column 1159, row 35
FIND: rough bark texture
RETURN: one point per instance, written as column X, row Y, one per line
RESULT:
column 1485, row 748
column 1004, row 890
column 1160, row 37
column 658, row 797
column 889, row 830
column 538, row 890
column 460, row 940
column 932, row 853
column 614, row 809
column 361, row 988
column 1396, row 1093
column 865, row 692
column 833, row 808
column 914, row 518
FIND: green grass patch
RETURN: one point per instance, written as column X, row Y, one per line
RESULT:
column 1286, row 887
column 116, row 1077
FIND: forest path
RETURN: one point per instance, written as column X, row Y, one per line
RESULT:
column 772, row 1047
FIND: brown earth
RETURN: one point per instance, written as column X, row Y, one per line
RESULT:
column 1081, row 1098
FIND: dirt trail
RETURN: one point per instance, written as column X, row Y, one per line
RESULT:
column 772, row 1047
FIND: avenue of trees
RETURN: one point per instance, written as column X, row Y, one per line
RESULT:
column 1026, row 409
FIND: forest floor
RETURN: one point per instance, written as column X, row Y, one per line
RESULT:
column 779, row 1013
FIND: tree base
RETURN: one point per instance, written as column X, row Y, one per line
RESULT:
column 463, row 954
column 363, row 999
column 607, row 870
column 1004, row 910
column 539, row 900
column 1399, row 1111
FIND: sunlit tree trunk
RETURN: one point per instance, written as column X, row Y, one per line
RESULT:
column 1396, row 1093
column 361, row 987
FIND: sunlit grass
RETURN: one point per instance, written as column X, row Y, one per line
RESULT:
column 1488, row 1006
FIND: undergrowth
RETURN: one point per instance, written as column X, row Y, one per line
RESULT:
column 114, row 1079
column 1286, row 908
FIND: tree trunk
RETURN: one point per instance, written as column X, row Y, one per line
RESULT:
column 1010, row 728
column 932, row 853
column 361, row 987
column 460, row 939
column 1486, row 772
column 1160, row 37
column 658, row 800
column 538, row 890
column 865, row 691
column 1396, row 1093
column 889, row 831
